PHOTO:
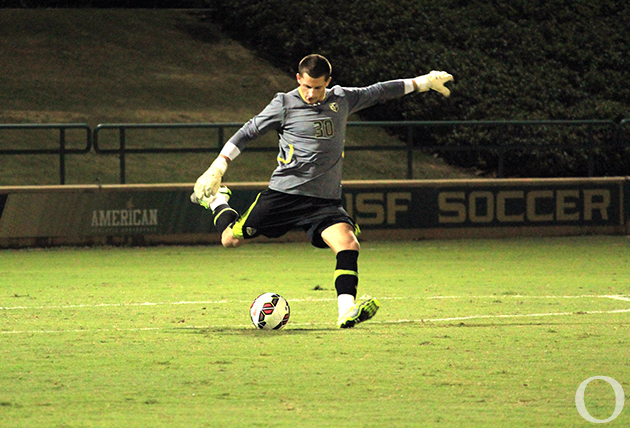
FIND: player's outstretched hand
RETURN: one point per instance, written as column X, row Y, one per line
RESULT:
column 208, row 183
column 434, row 80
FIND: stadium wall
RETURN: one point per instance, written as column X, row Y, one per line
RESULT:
column 36, row 216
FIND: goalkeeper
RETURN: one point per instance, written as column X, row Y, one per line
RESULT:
column 305, row 189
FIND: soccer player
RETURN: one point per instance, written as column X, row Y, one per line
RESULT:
column 305, row 189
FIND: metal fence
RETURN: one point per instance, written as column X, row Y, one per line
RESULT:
column 123, row 150
column 508, row 136
column 61, row 150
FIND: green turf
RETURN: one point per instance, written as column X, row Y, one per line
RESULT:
column 484, row 333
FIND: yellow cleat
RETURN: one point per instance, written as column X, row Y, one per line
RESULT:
column 359, row 313
column 223, row 192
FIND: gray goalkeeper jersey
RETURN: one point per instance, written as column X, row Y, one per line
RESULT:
column 312, row 136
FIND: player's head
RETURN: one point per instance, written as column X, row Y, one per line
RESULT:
column 313, row 77
column 315, row 66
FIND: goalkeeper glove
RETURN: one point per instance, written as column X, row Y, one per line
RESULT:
column 434, row 80
column 208, row 183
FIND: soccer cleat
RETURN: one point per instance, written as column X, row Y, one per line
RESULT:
column 358, row 314
column 204, row 202
column 224, row 193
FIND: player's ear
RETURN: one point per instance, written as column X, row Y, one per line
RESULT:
column 328, row 81
column 298, row 78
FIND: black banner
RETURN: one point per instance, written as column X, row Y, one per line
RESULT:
column 487, row 205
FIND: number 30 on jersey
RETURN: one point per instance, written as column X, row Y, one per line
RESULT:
column 324, row 128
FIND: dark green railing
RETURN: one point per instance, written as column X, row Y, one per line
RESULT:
column 121, row 144
column 408, row 130
column 61, row 150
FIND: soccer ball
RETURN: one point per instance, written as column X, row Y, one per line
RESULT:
column 270, row 311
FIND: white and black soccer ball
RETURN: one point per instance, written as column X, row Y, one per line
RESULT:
column 270, row 311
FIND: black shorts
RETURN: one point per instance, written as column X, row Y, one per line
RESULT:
column 275, row 213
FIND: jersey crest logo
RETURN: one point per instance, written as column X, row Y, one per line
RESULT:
column 250, row 231
column 334, row 107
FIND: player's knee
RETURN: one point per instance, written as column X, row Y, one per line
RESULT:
column 230, row 243
column 228, row 240
column 351, row 241
column 352, row 244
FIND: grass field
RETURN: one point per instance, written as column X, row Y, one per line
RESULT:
column 471, row 334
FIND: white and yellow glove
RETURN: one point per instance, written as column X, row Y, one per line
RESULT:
column 208, row 183
column 434, row 80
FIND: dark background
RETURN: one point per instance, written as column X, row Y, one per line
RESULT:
column 526, row 60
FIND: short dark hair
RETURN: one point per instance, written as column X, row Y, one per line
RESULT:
column 315, row 66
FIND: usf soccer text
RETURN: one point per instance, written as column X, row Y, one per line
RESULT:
column 476, row 205
column 520, row 206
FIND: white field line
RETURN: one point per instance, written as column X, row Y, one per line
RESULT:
column 83, row 330
column 216, row 302
column 472, row 317
column 103, row 305
column 401, row 321
column 627, row 299
column 523, row 296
